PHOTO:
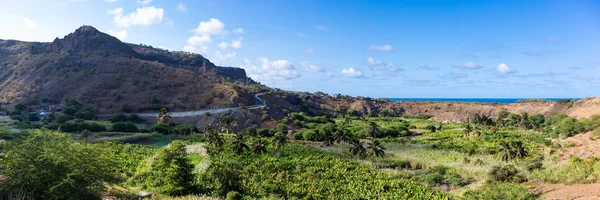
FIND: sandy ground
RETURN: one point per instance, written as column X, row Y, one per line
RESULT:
column 583, row 147
column 563, row 192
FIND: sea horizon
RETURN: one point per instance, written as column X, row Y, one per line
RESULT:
column 475, row 100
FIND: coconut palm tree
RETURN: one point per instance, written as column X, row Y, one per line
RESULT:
column 468, row 129
column 259, row 146
column 373, row 129
column 239, row 144
column 214, row 138
column 357, row 148
column 279, row 140
column 228, row 124
column 163, row 117
column 376, row 149
column 340, row 136
column 518, row 149
column 506, row 152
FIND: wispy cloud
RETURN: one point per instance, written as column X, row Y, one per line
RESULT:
column 453, row 76
column 382, row 48
column 427, row 67
column 321, row 27
column 467, row 65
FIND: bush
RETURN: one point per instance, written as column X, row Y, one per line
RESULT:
column 282, row 128
column 499, row 191
column 61, row 174
column 233, row 195
column 118, row 118
column 506, row 173
column 169, row 172
column 127, row 127
column 430, row 128
column 160, row 128
column 33, row 117
column 85, row 114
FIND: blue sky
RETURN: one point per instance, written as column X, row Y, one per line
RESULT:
column 363, row 48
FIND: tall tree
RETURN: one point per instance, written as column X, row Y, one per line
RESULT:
column 357, row 148
column 373, row 129
column 259, row 145
column 239, row 144
column 164, row 117
column 376, row 149
column 214, row 138
column 228, row 124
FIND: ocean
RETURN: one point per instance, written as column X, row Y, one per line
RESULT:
column 474, row 100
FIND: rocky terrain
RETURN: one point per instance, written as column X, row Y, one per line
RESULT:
column 111, row 76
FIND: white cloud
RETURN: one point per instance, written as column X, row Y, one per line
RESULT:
column 210, row 27
column 116, row 11
column 181, row 7
column 321, row 28
column 300, row 34
column 30, row 24
column 141, row 16
column 504, row 69
column 351, row 72
column 383, row 48
column 467, row 65
column 377, row 65
column 121, row 35
column 144, row 1
column 225, row 56
column 235, row 44
column 110, row 1
column 453, row 76
column 312, row 67
column 268, row 70
column 199, row 40
column 238, row 30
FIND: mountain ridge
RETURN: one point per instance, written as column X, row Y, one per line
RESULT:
column 112, row 76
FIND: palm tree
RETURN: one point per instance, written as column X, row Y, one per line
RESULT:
column 518, row 149
column 163, row 117
column 279, row 140
column 468, row 129
column 259, row 146
column 373, row 129
column 228, row 124
column 329, row 139
column 506, row 152
column 357, row 148
column 238, row 144
column 340, row 136
column 376, row 149
column 214, row 138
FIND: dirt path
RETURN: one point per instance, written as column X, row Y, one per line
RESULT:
column 583, row 147
column 567, row 192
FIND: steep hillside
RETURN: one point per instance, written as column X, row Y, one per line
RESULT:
column 101, row 71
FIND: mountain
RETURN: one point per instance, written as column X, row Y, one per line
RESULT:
column 111, row 76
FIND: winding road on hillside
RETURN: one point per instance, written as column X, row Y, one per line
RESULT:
column 259, row 104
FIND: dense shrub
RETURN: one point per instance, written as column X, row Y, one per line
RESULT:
column 80, row 126
column 160, row 128
column 124, row 127
column 68, row 170
column 506, row 173
column 168, row 172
